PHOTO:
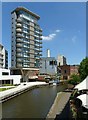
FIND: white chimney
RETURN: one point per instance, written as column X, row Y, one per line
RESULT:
column 48, row 53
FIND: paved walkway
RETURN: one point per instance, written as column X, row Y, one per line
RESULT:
column 7, row 87
column 59, row 104
column 21, row 87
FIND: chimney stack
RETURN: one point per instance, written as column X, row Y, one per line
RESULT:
column 48, row 53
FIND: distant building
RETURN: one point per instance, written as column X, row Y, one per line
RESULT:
column 26, row 42
column 61, row 60
column 3, row 57
column 48, row 65
column 74, row 69
column 65, row 71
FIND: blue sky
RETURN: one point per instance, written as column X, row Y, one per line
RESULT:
column 63, row 24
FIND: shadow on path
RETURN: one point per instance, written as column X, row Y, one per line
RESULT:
column 65, row 114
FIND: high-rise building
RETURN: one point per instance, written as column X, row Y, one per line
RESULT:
column 26, row 39
column 3, row 57
column 61, row 60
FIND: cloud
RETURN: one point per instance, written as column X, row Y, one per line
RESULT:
column 51, row 36
column 74, row 38
column 58, row 30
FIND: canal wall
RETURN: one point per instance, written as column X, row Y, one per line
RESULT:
column 24, row 87
column 60, row 101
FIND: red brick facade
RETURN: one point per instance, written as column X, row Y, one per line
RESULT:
column 67, row 70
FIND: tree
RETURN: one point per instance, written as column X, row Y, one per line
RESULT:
column 83, row 68
column 74, row 79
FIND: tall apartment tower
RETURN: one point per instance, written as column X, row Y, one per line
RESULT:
column 26, row 43
column 26, row 39
column 3, row 57
column 61, row 60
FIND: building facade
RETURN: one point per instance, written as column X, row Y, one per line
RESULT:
column 6, row 78
column 61, row 60
column 26, row 43
column 3, row 57
column 48, row 66
column 65, row 71
column 26, row 39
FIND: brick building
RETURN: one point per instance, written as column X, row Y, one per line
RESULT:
column 65, row 71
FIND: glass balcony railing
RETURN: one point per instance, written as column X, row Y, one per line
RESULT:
column 19, row 35
column 19, row 25
column 19, row 20
column 19, row 45
column 19, row 40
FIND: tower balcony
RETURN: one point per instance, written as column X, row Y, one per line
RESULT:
column 40, row 38
column 19, row 30
column 19, row 60
column 18, row 50
column 37, row 41
column 19, row 35
column 19, row 25
column 38, row 32
column 37, row 54
column 19, row 45
column 38, row 46
column 38, row 50
column 31, row 24
column 19, row 40
column 19, row 20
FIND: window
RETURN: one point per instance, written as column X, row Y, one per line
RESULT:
column 65, row 71
column 5, row 73
column 51, row 63
column 59, row 63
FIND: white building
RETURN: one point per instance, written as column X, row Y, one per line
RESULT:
column 61, row 60
column 48, row 65
column 3, row 57
column 6, row 78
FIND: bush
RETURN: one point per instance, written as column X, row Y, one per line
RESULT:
column 83, row 68
column 74, row 79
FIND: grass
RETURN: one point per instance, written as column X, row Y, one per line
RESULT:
column 3, row 89
column 7, row 85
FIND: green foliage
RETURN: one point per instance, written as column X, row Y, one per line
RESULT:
column 3, row 89
column 7, row 85
column 83, row 68
column 74, row 79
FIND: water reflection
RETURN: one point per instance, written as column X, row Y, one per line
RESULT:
column 32, row 104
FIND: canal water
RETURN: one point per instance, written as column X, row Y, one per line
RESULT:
column 35, row 103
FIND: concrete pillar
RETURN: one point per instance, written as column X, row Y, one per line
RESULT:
column 25, row 75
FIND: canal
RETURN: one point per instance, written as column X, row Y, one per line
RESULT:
column 35, row 103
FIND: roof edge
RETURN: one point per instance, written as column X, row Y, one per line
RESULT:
column 26, row 10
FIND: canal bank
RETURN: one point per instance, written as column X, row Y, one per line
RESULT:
column 23, row 87
column 58, row 106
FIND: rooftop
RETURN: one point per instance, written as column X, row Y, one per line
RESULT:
column 26, row 10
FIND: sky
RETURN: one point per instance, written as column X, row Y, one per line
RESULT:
column 63, row 25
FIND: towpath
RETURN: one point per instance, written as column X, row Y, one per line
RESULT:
column 60, row 108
